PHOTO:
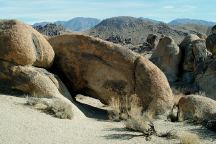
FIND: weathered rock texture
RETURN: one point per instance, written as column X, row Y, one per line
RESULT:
column 22, row 45
column 32, row 80
column 167, row 57
column 195, row 107
column 206, row 78
column 200, row 51
column 153, row 40
column 213, row 30
column 211, row 43
column 105, row 70
column 22, row 48
column 187, row 52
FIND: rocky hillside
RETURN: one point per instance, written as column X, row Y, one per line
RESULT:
column 192, row 25
column 191, row 21
column 51, row 29
column 193, row 28
column 136, row 29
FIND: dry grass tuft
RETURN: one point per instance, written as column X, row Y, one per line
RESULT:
column 115, row 113
column 188, row 138
column 130, row 110
column 120, row 107
column 124, row 107
column 56, row 107
column 139, row 121
column 140, row 124
column 184, row 137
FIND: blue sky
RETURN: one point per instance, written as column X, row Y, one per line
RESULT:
column 32, row 11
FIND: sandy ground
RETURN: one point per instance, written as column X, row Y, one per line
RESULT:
column 20, row 124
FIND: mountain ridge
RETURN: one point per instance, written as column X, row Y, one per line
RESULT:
column 133, row 28
column 182, row 21
column 78, row 24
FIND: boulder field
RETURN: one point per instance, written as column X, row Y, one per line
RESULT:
column 189, row 66
column 104, row 70
column 88, row 65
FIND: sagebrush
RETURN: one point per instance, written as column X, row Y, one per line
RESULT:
column 56, row 107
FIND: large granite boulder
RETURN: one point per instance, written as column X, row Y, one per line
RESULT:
column 153, row 40
column 213, row 30
column 152, row 87
column 202, row 36
column 104, row 70
column 32, row 81
column 206, row 78
column 167, row 57
column 200, row 51
column 22, row 45
column 187, row 52
column 195, row 107
column 211, row 43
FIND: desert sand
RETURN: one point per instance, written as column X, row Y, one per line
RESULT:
column 21, row 124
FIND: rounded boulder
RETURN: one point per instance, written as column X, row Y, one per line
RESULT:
column 22, row 45
column 105, row 70
column 211, row 44
column 167, row 57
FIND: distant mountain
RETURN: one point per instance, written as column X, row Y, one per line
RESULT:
column 177, row 22
column 204, row 29
column 151, row 20
column 136, row 29
column 41, row 24
column 79, row 23
column 75, row 24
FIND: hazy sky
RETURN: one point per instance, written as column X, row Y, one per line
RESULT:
column 32, row 11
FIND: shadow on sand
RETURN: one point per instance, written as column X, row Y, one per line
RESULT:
column 123, row 134
column 92, row 112
column 205, row 134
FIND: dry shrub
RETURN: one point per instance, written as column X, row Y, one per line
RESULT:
column 124, row 107
column 55, row 106
column 188, row 138
column 130, row 110
column 120, row 107
column 184, row 137
column 139, row 121
column 114, row 114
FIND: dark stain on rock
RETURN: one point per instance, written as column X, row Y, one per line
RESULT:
column 117, row 86
column 38, row 47
column 5, row 46
column 95, row 57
